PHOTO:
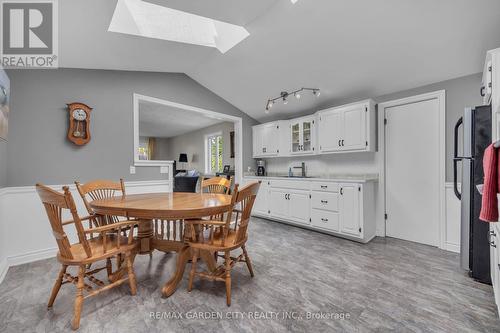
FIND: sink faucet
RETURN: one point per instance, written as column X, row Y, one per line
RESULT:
column 303, row 168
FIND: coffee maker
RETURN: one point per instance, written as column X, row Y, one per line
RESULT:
column 261, row 168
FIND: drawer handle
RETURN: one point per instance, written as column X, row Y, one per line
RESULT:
column 324, row 220
column 324, row 201
column 324, row 186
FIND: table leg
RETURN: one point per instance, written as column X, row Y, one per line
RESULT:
column 183, row 256
column 209, row 259
column 144, row 235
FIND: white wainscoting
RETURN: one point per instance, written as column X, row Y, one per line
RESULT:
column 24, row 228
column 452, row 232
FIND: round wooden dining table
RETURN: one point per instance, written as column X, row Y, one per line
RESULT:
column 161, row 222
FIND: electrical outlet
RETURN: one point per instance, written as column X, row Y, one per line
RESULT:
column 132, row 170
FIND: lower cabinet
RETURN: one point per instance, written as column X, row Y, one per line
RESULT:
column 260, row 205
column 343, row 209
column 289, row 204
column 349, row 209
column 494, row 238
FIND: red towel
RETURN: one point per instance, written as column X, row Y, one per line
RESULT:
column 489, row 207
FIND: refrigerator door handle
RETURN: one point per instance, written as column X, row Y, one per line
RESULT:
column 456, row 159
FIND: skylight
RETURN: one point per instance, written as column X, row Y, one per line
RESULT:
column 139, row 18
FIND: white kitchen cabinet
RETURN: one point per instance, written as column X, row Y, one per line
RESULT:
column 265, row 139
column 303, row 135
column 349, row 207
column 278, row 203
column 348, row 128
column 299, row 206
column 289, row 204
column 344, row 209
column 260, row 205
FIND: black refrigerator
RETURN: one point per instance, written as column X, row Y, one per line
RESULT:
column 474, row 240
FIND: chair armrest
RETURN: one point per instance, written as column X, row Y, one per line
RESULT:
column 208, row 222
column 112, row 226
column 81, row 219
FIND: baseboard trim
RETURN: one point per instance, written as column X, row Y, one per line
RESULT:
column 452, row 247
column 28, row 257
column 4, row 267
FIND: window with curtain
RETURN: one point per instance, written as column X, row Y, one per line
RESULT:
column 214, row 153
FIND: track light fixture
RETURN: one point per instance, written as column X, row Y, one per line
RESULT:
column 284, row 96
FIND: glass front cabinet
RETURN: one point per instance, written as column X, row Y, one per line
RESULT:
column 303, row 135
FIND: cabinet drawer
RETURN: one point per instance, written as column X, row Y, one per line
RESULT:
column 325, row 220
column 325, row 187
column 325, row 200
column 290, row 184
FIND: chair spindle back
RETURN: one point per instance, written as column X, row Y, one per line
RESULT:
column 220, row 185
column 55, row 203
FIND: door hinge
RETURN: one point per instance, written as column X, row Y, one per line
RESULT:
column 269, row 212
column 313, row 121
column 313, row 148
column 385, row 216
column 309, row 196
column 359, row 229
column 385, row 121
column 277, row 150
column 367, row 143
column 278, row 126
column 359, row 189
column 366, row 109
column 310, row 220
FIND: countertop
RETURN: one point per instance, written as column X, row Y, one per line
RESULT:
column 345, row 178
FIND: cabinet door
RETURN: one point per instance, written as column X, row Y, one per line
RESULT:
column 278, row 203
column 349, row 210
column 257, row 141
column 330, row 131
column 354, row 131
column 299, row 206
column 307, row 135
column 270, row 142
column 295, row 137
column 260, row 205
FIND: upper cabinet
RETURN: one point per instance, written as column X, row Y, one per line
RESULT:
column 348, row 128
column 303, row 136
column 265, row 143
column 343, row 129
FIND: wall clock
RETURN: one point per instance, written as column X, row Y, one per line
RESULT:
column 79, row 123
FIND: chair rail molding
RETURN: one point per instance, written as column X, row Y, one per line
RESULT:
column 23, row 215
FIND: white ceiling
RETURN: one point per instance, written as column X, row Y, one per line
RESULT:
column 161, row 121
column 348, row 48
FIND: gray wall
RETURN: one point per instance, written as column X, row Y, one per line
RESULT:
column 193, row 144
column 38, row 149
column 460, row 92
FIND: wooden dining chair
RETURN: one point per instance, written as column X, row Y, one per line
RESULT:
column 224, row 236
column 100, row 189
column 90, row 249
column 220, row 185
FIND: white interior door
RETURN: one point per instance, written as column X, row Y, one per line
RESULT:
column 412, row 171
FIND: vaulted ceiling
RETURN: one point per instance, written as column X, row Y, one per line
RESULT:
column 348, row 48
